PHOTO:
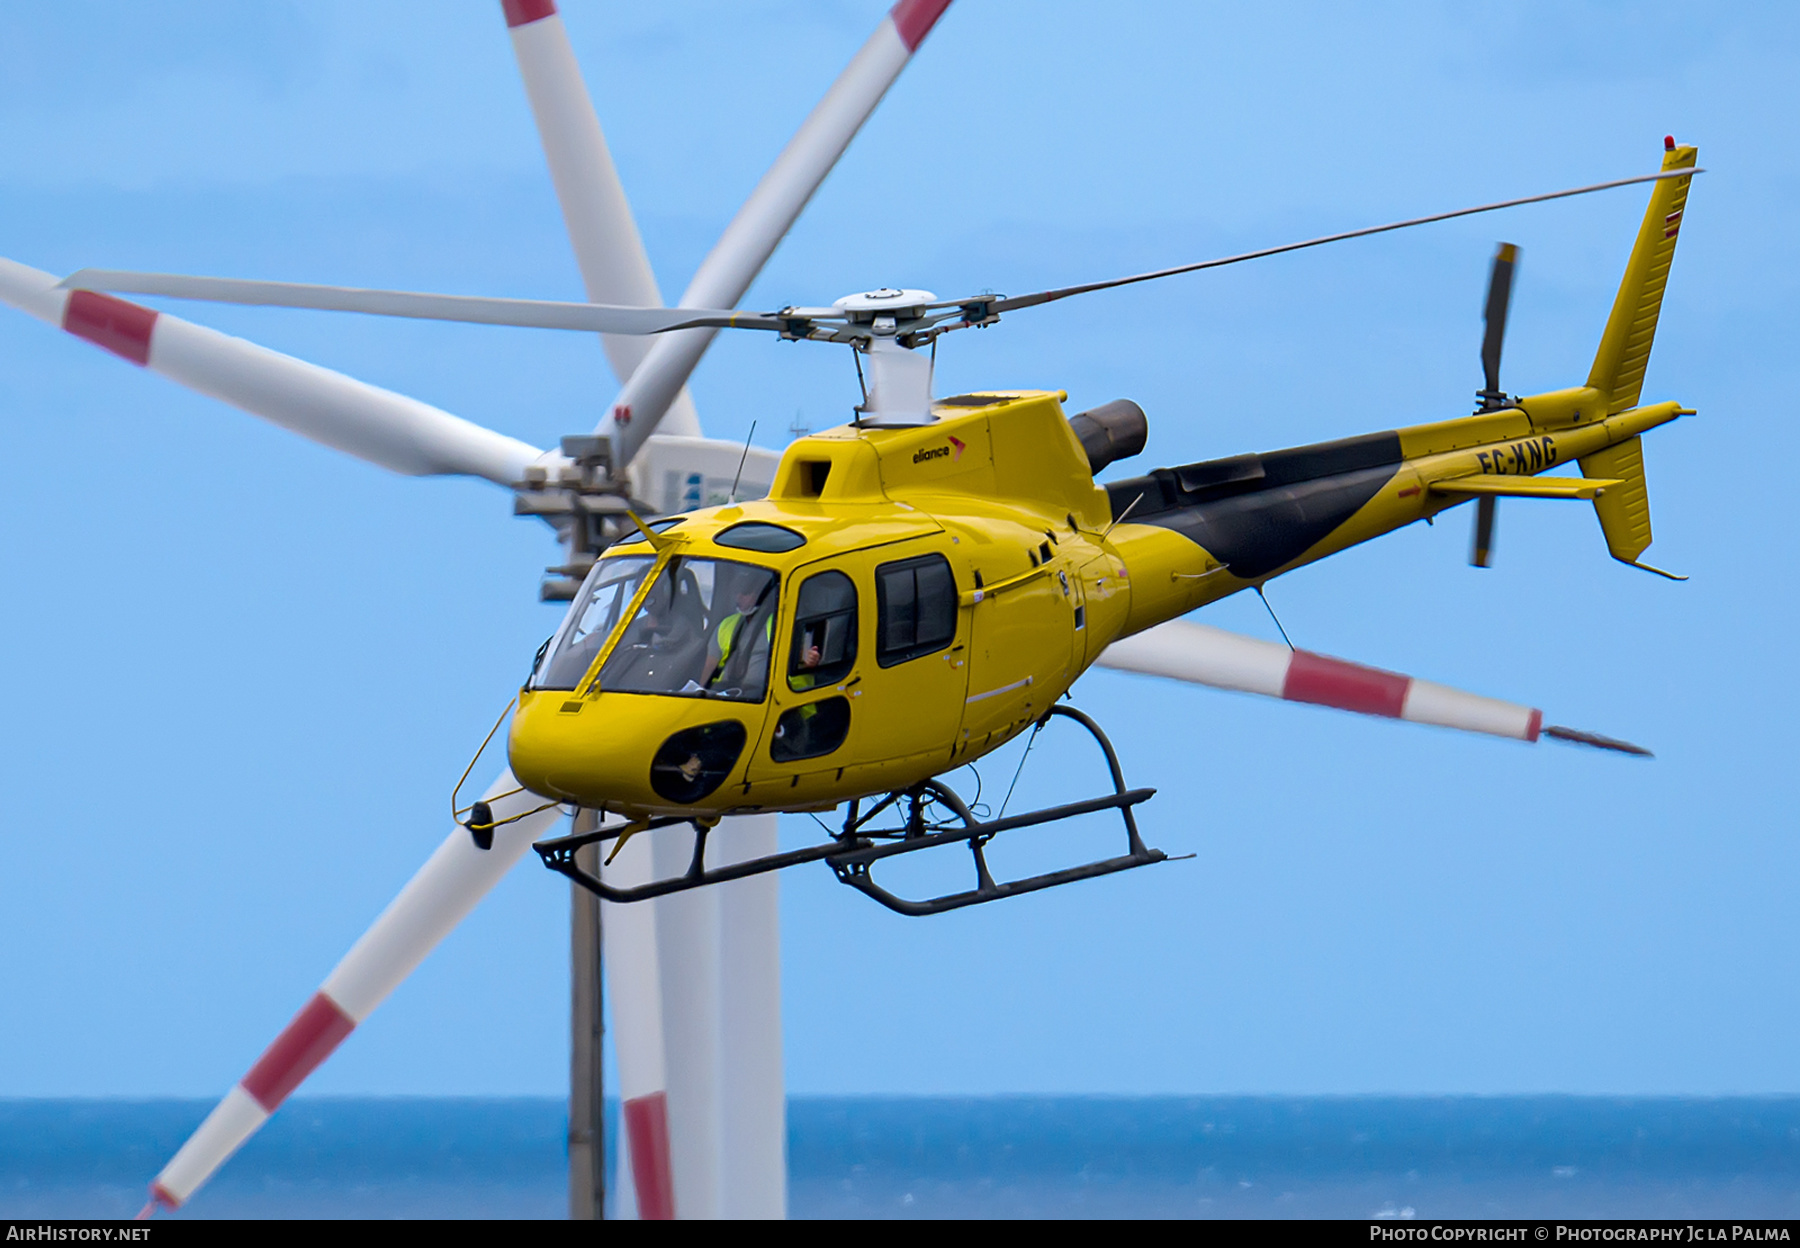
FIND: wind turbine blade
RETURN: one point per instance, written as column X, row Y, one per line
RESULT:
column 689, row 937
column 439, row 897
column 766, row 216
column 634, row 982
column 719, row 957
column 753, row 1137
column 384, row 428
column 1196, row 654
column 602, row 230
column 717, row 966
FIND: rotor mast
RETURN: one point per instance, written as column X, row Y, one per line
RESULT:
column 896, row 375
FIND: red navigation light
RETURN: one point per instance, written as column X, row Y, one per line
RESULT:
column 1668, row 142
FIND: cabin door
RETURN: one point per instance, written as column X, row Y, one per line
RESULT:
column 1021, row 651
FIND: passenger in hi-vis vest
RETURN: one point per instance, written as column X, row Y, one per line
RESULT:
column 735, row 634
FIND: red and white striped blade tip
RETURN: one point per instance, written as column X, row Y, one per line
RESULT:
column 525, row 12
column 1577, row 737
column 913, row 19
column 159, row 1199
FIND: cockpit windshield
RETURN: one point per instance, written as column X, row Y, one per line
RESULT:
column 704, row 630
column 609, row 590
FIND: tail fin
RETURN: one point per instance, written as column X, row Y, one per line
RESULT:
column 1618, row 370
column 1624, row 509
column 1618, row 373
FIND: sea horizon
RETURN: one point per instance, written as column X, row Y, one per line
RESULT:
column 1099, row 1155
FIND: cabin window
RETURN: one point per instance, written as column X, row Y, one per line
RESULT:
column 915, row 605
column 770, row 539
column 824, row 648
column 632, row 535
column 811, row 731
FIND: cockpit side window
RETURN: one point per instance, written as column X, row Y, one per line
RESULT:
column 824, row 648
column 915, row 608
column 609, row 590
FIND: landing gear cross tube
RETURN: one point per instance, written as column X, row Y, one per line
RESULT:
column 852, row 852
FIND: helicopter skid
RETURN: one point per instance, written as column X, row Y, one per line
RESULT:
column 853, row 852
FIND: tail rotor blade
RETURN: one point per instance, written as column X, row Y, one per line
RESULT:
column 1499, row 296
column 439, row 897
column 1481, row 552
column 1576, row 737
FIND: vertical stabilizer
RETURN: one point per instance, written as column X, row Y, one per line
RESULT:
column 1625, row 347
column 1624, row 509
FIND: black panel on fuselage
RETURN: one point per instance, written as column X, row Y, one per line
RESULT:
column 1259, row 512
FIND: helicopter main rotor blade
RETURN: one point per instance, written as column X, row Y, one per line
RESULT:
column 1001, row 305
column 1499, row 298
column 439, row 897
column 418, row 305
column 669, row 363
column 608, row 248
column 767, row 215
column 397, row 433
column 1200, row 655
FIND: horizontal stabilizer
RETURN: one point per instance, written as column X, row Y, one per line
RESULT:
column 1525, row 487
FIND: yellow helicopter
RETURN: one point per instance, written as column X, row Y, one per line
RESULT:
column 910, row 598
column 924, row 584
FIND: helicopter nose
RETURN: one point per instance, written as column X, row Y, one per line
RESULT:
column 624, row 751
column 695, row 761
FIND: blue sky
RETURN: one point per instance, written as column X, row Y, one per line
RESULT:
column 241, row 672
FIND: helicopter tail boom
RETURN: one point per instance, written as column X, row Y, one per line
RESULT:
column 1250, row 517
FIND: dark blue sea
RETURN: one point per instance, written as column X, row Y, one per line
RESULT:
column 991, row 1157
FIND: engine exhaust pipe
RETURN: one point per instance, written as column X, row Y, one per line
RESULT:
column 1111, row 432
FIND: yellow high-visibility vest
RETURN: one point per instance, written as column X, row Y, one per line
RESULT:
column 728, row 628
